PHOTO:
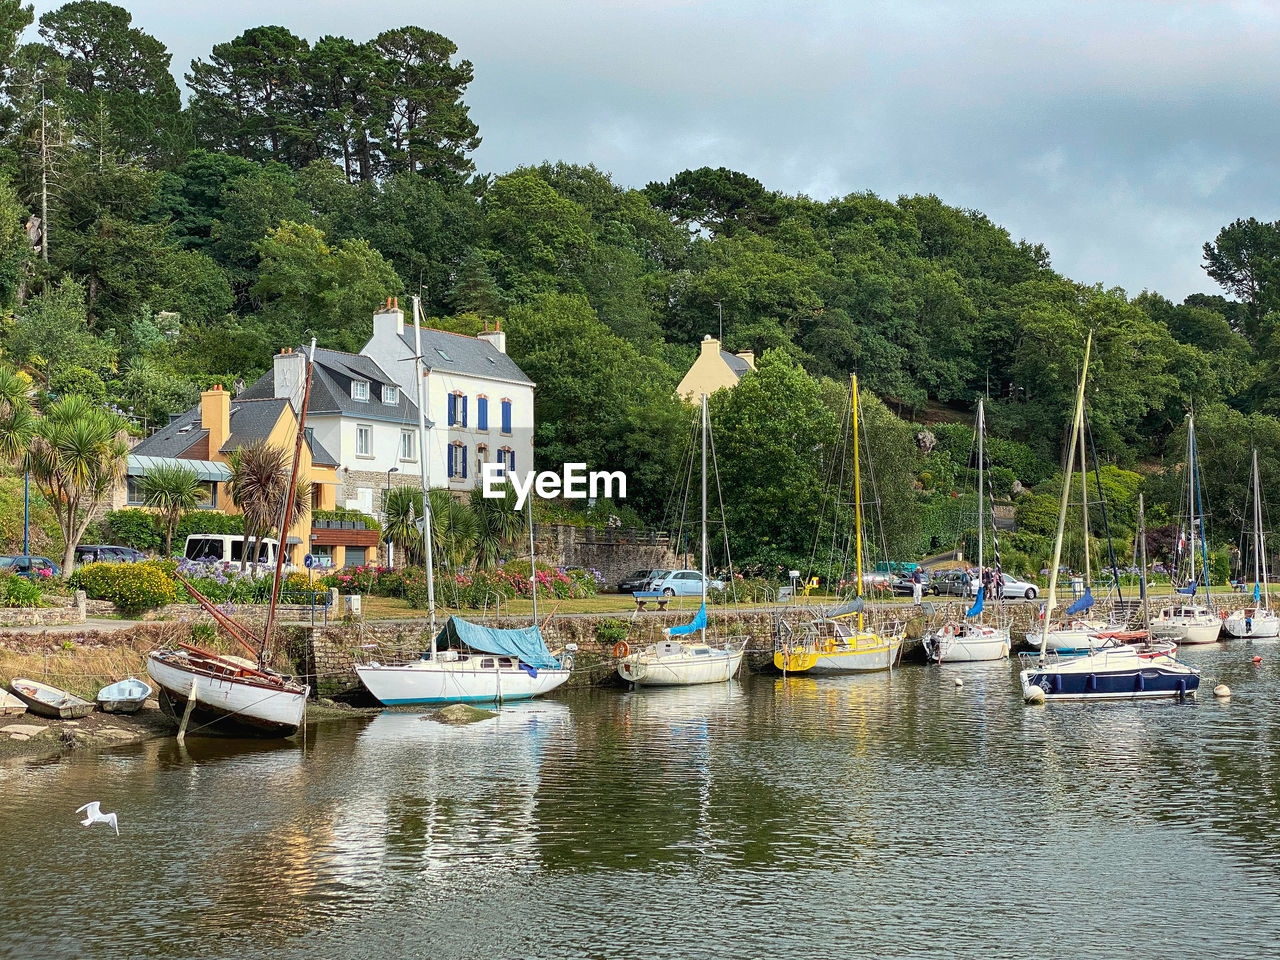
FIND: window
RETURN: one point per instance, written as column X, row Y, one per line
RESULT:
column 482, row 412
column 364, row 440
column 443, row 354
column 457, row 461
column 133, row 490
column 408, row 445
column 210, row 501
column 360, row 390
column 507, row 457
column 482, row 451
column 506, row 417
column 457, row 409
column 391, row 395
column 355, row 557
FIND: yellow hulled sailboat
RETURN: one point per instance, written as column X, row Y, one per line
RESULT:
column 841, row 641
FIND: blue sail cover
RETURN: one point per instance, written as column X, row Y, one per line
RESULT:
column 699, row 623
column 526, row 645
column 977, row 605
column 1257, row 592
column 1188, row 591
column 1083, row 602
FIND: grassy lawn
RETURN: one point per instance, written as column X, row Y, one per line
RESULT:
column 387, row 608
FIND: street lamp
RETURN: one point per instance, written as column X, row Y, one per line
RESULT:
column 386, row 497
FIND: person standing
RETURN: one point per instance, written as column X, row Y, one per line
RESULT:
column 917, row 585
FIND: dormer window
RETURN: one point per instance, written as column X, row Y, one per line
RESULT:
column 360, row 390
column 391, row 395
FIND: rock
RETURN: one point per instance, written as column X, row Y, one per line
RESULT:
column 115, row 733
column 926, row 441
column 959, row 682
column 19, row 736
column 23, row 729
column 459, row 713
column 1017, row 489
column 1222, row 692
column 1033, row 695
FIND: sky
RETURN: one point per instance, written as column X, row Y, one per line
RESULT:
column 1122, row 135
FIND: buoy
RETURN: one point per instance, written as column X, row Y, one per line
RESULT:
column 1034, row 695
column 1257, row 659
column 959, row 682
column 1222, row 691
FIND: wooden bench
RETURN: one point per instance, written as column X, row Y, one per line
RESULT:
column 643, row 597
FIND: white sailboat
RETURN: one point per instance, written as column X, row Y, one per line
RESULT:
column 677, row 663
column 841, row 642
column 970, row 640
column 1189, row 622
column 1259, row 621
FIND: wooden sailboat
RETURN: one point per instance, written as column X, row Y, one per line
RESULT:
column 1109, row 673
column 970, row 640
column 1259, row 621
column 840, row 641
column 226, row 694
column 1188, row 621
column 679, row 663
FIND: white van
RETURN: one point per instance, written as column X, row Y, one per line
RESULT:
column 229, row 549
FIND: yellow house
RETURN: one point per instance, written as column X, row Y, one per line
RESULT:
column 714, row 369
column 205, row 436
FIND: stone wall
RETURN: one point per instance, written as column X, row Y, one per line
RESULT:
column 615, row 552
column 61, row 610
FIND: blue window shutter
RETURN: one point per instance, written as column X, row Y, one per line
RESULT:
column 482, row 413
column 464, row 461
column 506, row 416
column 511, row 457
column 464, row 416
column 449, row 460
column 453, row 406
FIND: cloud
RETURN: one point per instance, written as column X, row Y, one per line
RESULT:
column 1121, row 134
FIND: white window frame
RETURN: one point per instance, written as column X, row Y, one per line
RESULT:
column 390, row 394
column 411, row 437
column 360, row 391
column 367, row 429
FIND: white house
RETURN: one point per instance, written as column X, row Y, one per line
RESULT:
column 363, row 408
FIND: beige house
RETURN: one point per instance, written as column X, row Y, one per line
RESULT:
column 715, row 368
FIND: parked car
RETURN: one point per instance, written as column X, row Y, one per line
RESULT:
column 1013, row 587
column 682, row 583
column 962, row 583
column 639, row 580
column 29, row 566
column 901, row 586
column 104, row 553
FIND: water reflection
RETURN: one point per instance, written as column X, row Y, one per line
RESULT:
column 870, row 814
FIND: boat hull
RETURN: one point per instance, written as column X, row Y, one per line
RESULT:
column 225, row 704
column 683, row 671
column 967, row 646
column 1111, row 675
column 127, row 696
column 48, row 701
column 1183, row 633
column 822, row 659
column 11, row 706
column 442, row 681
column 1263, row 625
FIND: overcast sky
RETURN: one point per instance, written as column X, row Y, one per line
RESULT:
column 1120, row 134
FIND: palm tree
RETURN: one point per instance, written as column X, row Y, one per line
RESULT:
column 17, row 420
column 172, row 489
column 454, row 530
column 260, row 476
column 401, row 504
column 498, row 526
column 78, row 453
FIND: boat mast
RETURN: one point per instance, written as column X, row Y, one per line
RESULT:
column 981, row 428
column 704, row 513
column 1084, row 503
column 1142, row 573
column 533, row 566
column 287, row 513
column 857, row 493
column 1257, row 523
column 1066, row 496
column 418, row 376
column 1191, row 494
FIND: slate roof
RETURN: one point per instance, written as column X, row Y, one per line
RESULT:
column 252, row 420
column 735, row 363
column 175, row 437
column 459, row 353
column 331, row 388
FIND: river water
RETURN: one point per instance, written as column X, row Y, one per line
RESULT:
column 886, row 816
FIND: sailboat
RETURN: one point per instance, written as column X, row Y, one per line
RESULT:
column 679, row 663
column 1257, row 622
column 1078, row 632
column 1112, row 672
column 229, row 694
column 971, row 639
column 840, row 641
column 1189, row 621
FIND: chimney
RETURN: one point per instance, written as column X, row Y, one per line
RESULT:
column 291, row 376
column 389, row 320
column 495, row 336
column 215, row 416
column 749, row 356
column 711, row 345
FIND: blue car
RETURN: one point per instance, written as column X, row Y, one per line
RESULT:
column 31, row 567
column 683, row 583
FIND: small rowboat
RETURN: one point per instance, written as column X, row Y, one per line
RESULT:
column 11, row 706
column 124, row 696
column 50, row 701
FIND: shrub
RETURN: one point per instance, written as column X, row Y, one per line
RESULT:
column 222, row 583
column 611, row 631
column 132, row 528
column 16, row 591
column 132, row 587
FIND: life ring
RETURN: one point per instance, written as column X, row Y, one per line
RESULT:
column 1223, row 614
column 621, row 650
column 949, row 630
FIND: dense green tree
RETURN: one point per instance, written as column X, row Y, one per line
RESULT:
column 52, row 332
column 1245, row 259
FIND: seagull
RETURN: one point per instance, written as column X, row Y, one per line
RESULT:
column 95, row 815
